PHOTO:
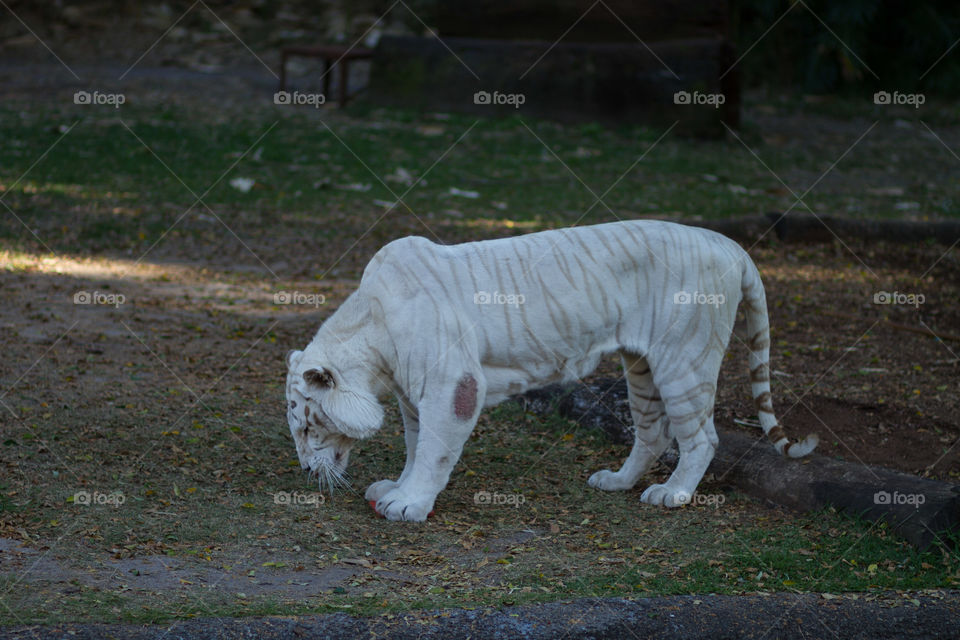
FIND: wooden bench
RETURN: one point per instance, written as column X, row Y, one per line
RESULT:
column 332, row 55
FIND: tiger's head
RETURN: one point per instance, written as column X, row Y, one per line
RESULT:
column 328, row 410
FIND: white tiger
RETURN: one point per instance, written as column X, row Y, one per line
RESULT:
column 452, row 329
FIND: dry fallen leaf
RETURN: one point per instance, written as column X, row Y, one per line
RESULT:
column 362, row 562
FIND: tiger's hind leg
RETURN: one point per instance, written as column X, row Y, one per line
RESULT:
column 689, row 403
column 650, row 427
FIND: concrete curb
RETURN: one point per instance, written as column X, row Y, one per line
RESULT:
column 776, row 616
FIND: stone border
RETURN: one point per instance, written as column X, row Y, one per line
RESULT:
column 770, row 616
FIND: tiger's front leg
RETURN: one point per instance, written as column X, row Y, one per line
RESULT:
column 446, row 420
column 411, row 433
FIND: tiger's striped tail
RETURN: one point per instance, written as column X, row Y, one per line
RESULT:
column 758, row 332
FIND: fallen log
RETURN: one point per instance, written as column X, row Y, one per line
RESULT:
column 796, row 227
column 802, row 228
column 919, row 510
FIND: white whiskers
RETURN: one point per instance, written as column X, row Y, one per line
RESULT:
column 330, row 478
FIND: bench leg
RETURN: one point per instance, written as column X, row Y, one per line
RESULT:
column 343, row 82
column 326, row 79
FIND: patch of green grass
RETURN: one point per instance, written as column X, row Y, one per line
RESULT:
column 118, row 182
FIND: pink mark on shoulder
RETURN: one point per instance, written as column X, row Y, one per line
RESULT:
column 465, row 397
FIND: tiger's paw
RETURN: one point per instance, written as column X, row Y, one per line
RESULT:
column 665, row 495
column 397, row 505
column 609, row 481
column 379, row 489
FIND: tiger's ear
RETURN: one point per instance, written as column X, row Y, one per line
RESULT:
column 292, row 355
column 357, row 414
column 320, row 378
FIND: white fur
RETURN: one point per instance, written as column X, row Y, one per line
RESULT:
column 523, row 312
